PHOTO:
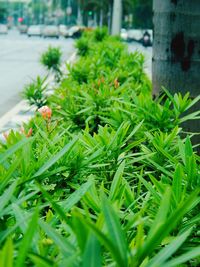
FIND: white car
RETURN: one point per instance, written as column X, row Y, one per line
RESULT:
column 3, row 29
column 50, row 31
column 73, row 31
column 124, row 34
column 34, row 30
column 135, row 35
column 63, row 30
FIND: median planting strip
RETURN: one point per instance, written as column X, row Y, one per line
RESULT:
column 102, row 174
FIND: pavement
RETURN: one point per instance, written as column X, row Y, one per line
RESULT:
column 20, row 111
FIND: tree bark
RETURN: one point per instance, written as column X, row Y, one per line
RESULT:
column 117, row 17
column 176, row 48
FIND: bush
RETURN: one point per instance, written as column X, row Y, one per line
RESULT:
column 51, row 59
column 35, row 92
column 100, row 34
column 104, row 175
column 83, row 46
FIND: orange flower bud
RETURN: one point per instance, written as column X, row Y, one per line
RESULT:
column 46, row 112
column 116, row 83
column 29, row 132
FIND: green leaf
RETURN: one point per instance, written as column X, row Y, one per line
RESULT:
column 191, row 254
column 115, row 232
column 92, row 253
column 56, row 157
column 64, row 245
column 162, row 228
column 117, row 182
column 169, row 250
column 26, row 241
column 7, row 195
column 9, row 174
column 40, row 261
column 177, row 183
column 6, row 254
column 9, row 152
column 76, row 196
column 106, row 242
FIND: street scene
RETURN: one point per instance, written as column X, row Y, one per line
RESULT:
column 20, row 57
column 99, row 133
column 19, row 63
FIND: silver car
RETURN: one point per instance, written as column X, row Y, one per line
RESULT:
column 50, row 31
column 3, row 29
column 34, row 30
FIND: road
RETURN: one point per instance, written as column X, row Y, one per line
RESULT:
column 19, row 63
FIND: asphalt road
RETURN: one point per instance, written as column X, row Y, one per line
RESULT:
column 19, row 63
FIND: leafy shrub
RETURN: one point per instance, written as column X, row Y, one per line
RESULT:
column 100, row 34
column 51, row 59
column 106, row 178
column 83, row 46
column 35, row 92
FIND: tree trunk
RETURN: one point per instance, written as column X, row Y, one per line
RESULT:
column 176, row 48
column 117, row 17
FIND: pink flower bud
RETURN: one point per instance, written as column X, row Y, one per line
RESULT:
column 5, row 135
column 46, row 112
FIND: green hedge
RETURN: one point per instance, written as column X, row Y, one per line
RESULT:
column 102, row 176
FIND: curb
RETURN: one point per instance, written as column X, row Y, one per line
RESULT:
column 22, row 112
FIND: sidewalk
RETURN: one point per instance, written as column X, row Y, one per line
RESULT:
column 22, row 112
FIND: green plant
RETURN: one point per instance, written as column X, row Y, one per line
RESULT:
column 51, row 59
column 106, row 178
column 83, row 47
column 35, row 92
column 100, row 34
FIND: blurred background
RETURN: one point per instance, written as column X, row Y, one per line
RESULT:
column 29, row 27
column 92, row 13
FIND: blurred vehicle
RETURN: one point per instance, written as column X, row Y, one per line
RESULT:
column 135, row 35
column 74, row 32
column 147, row 38
column 63, row 30
column 124, row 34
column 3, row 29
column 23, row 28
column 50, row 31
column 34, row 30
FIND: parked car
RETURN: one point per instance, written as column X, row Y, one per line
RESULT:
column 3, row 29
column 124, row 34
column 50, row 31
column 63, row 30
column 74, row 32
column 34, row 30
column 23, row 29
column 135, row 35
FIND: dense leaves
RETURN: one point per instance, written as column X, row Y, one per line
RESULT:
column 108, row 178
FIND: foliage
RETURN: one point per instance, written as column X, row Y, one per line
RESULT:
column 100, row 34
column 35, row 92
column 82, row 46
column 51, row 59
column 107, row 179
